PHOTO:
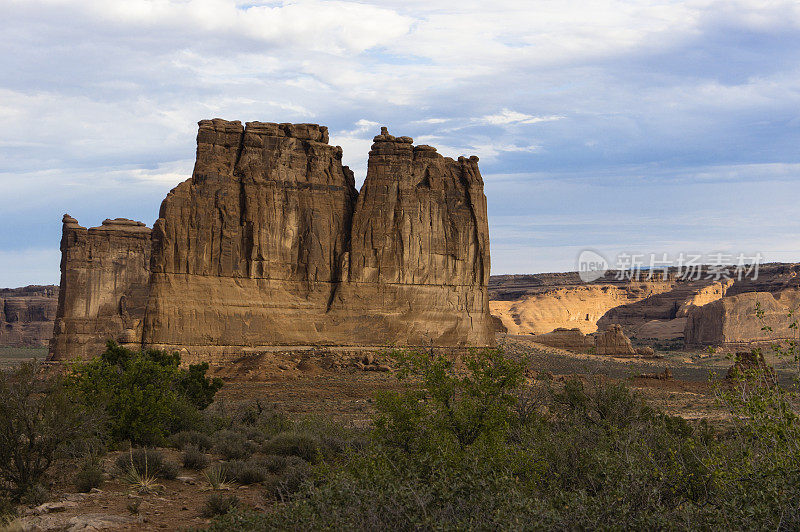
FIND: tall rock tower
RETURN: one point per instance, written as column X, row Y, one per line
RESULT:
column 270, row 244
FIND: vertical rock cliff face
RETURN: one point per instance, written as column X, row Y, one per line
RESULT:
column 418, row 265
column 269, row 243
column 104, row 285
column 26, row 315
column 732, row 320
column 247, row 251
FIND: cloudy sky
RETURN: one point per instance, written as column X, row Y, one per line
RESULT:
column 623, row 126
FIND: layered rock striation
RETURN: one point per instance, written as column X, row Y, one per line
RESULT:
column 701, row 311
column 269, row 243
column 105, row 273
column 26, row 315
column 744, row 319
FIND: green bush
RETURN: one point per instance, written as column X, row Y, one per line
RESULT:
column 184, row 438
column 293, row 477
column 37, row 419
column 147, row 462
column 90, row 475
column 8, row 511
column 233, row 445
column 194, row 458
column 35, row 495
column 250, row 471
column 145, row 394
column 274, row 463
column 304, row 446
column 219, row 504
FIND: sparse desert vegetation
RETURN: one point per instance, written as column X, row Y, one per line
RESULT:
column 469, row 442
column 12, row 357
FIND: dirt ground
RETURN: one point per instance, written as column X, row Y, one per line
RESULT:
column 345, row 393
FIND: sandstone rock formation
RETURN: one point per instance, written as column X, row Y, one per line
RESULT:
column 104, row 285
column 645, row 351
column 269, row 243
column 26, row 315
column 585, row 307
column 662, row 329
column 569, row 339
column 656, row 309
column 733, row 321
column 613, row 342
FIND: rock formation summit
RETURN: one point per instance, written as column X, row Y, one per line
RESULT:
column 270, row 244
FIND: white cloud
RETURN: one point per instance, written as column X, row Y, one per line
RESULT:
column 507, row 116
column 432, row 121
column 344, row 27
column 485, row 150
column 697, row 91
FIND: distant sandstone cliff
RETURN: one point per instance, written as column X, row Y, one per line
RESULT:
column 270, row 244
column 26, row 315
column 700, row 312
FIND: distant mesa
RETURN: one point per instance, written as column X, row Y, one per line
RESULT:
column 26, row 315
column 270, row 244
column 558, row 309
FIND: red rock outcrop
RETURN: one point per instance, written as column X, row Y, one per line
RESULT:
column 733, row 320
column 104, row 285
column 269, row 243
column 26, row 315
column 569, row 339
column 647, row 309
column 613, row 341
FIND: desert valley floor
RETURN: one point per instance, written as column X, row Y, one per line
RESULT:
column 321, row 384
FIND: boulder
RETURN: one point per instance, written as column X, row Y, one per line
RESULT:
column 613, row 342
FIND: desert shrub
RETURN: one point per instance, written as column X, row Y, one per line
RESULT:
column 305, row 446
column 275, row 463
column 334, row 438
column 195, row 386
column 292, row 478
column 8, row 511
column 146, row 394
column 37, row 418
column 219, row 504
column 233, row 445
column 90, row 475
column 271, row 423
column 255, row 421
column 147, row 462
column 217, row 476
column 459, row 451
column 35, row 495
column 448, row 409
column 250, row 471
column 194, row 458
column 184, row 438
